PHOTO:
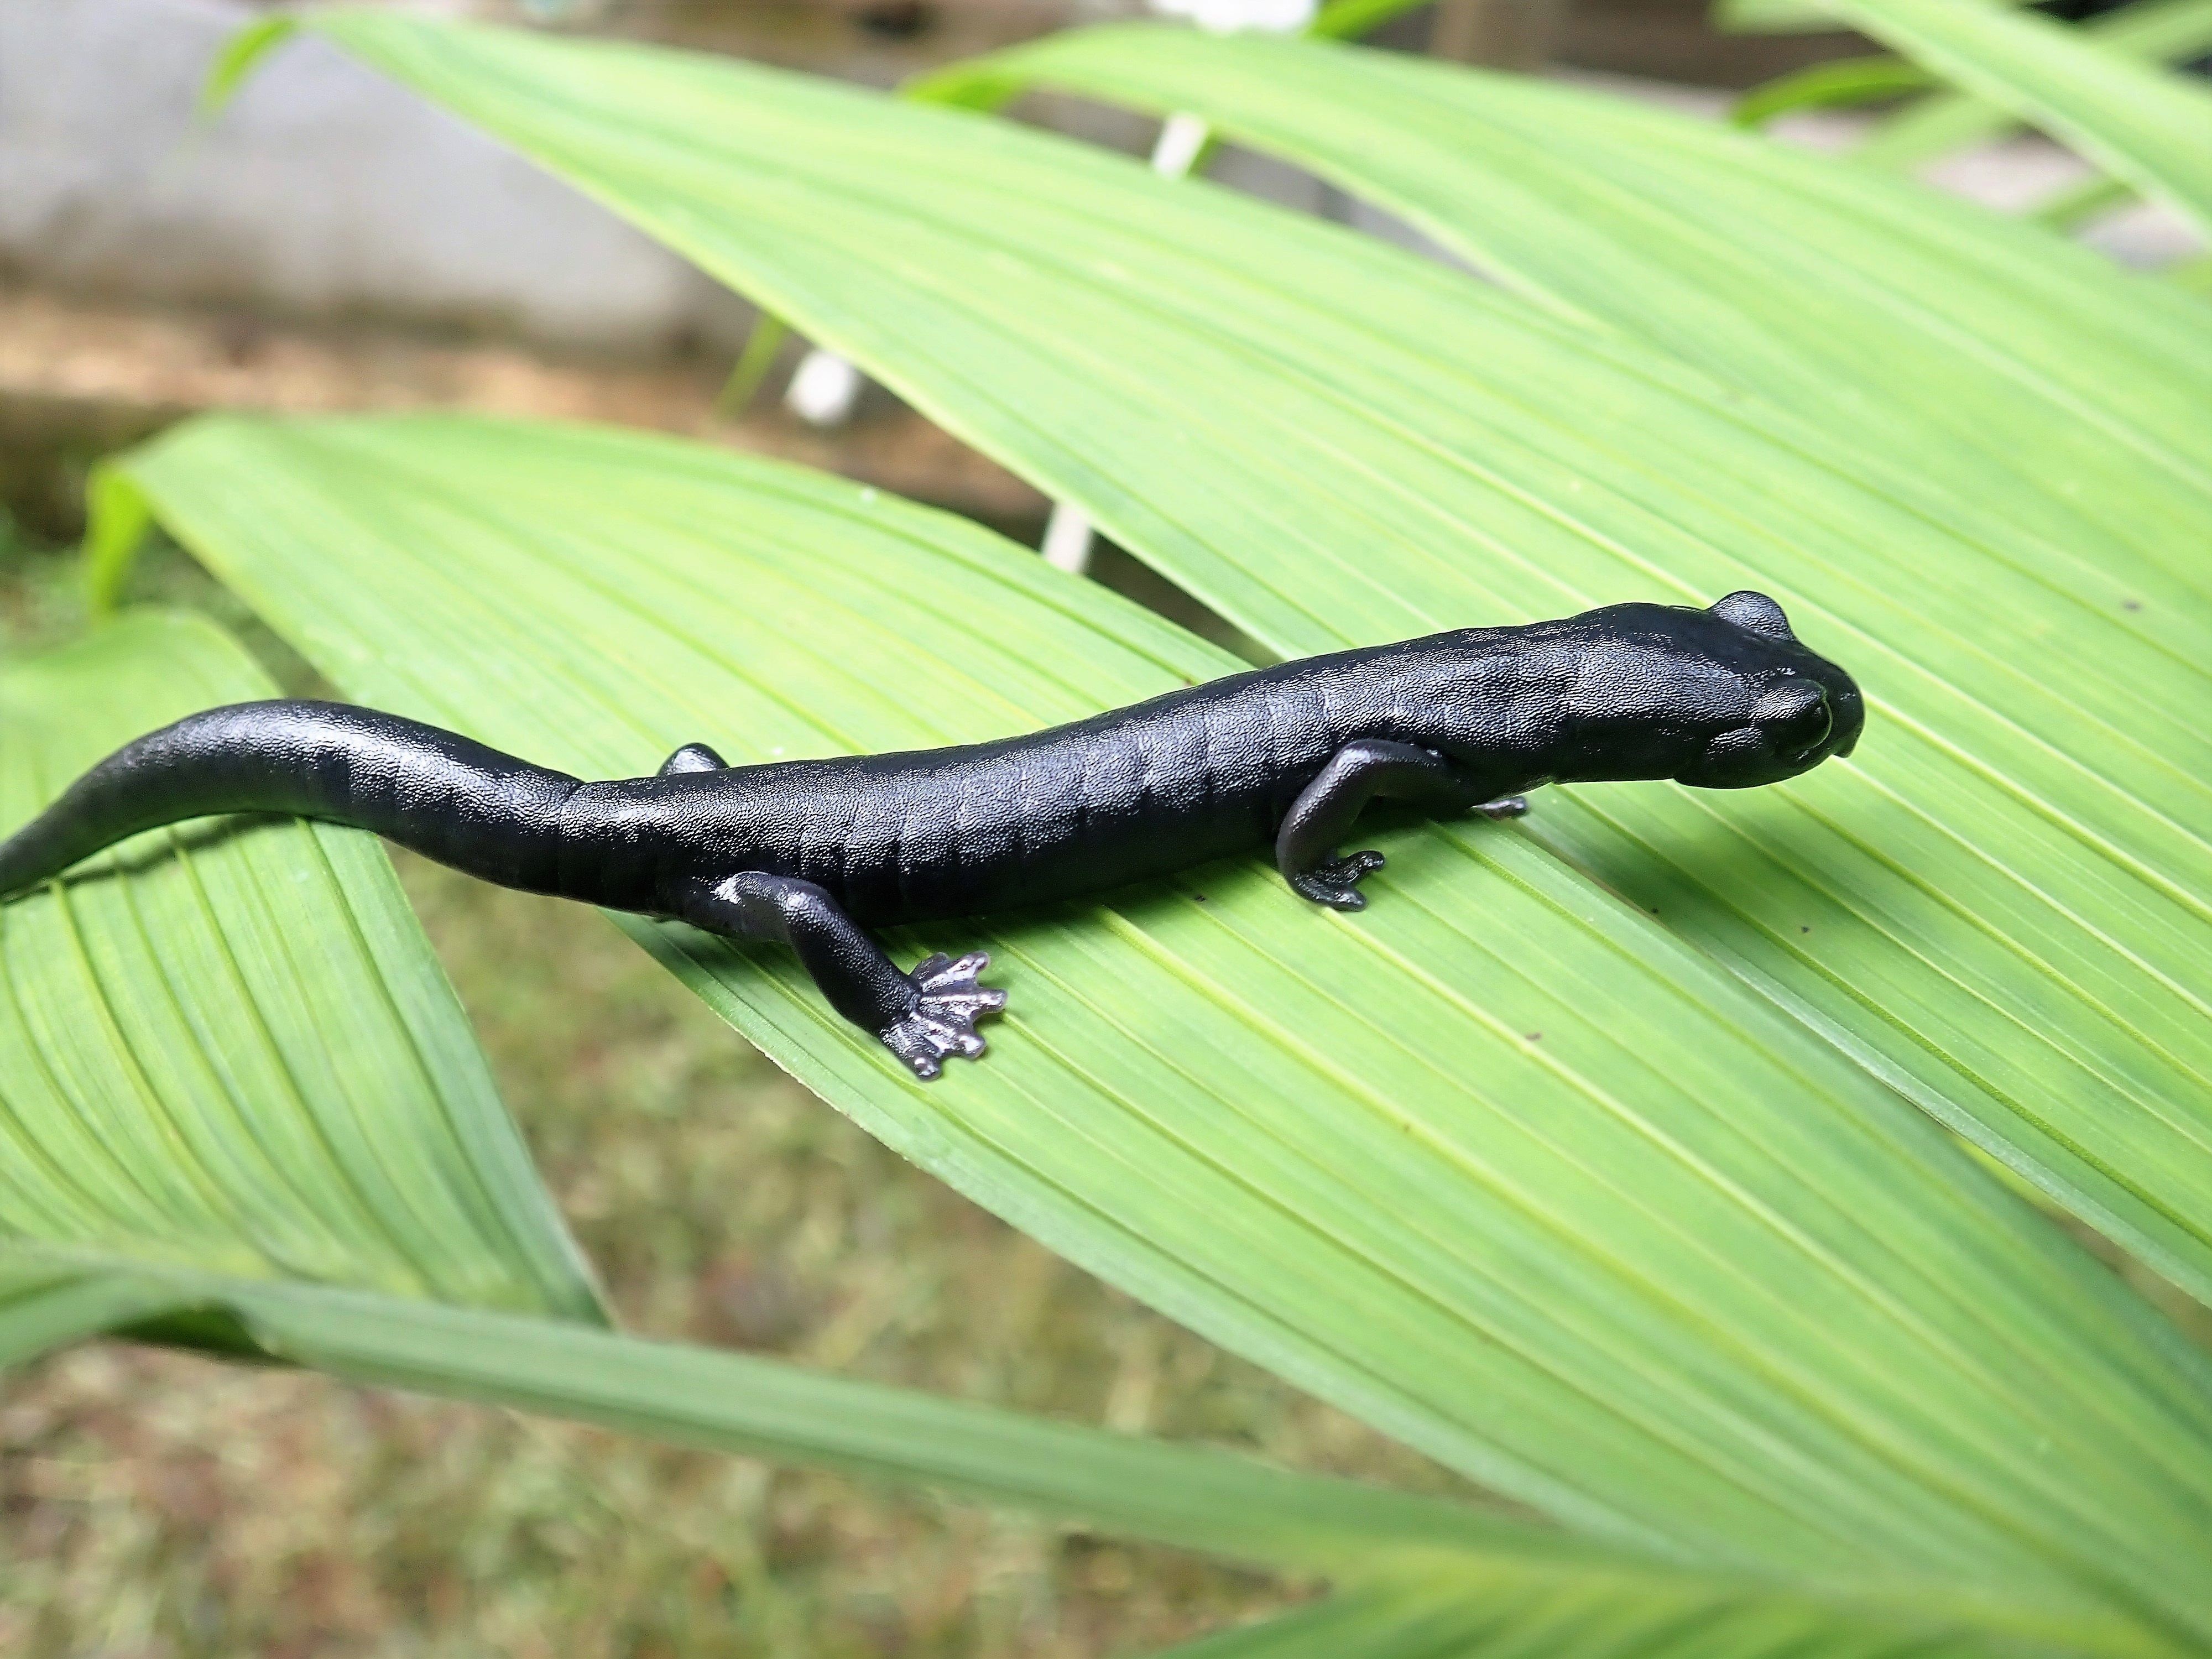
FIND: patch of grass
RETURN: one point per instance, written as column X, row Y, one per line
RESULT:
column 155, row 1503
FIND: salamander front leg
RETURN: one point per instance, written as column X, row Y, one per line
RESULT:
column 1368, row 769
column 923, row 1018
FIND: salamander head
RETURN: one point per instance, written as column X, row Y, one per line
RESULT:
column 1721, row 698
column 1802, row 707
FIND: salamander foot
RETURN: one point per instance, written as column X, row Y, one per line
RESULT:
column 1509, row 806
column 942, row 1022
column 1336, row 883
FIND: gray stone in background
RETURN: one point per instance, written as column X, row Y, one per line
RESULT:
column 327, row 193
column 322, row 190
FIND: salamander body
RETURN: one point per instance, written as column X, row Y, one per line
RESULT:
column 812, row 852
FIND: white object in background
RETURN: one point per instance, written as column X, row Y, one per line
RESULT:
column 826, row 387
column 824, row 390
column 1228, row 16
column 1180, row 141
column 1067, row 533
column 1067, row 539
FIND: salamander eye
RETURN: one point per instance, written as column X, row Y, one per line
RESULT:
column 1754, row 612
column 1795, row 715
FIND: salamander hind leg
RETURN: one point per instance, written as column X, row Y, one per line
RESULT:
column 924, row 1017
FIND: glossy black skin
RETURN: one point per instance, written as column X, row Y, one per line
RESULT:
column 809, row 852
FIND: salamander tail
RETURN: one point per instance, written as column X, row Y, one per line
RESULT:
column 445, row 796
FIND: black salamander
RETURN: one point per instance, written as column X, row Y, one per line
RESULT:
column 811, row 853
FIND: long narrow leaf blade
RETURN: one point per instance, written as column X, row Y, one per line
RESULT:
column 1462, row 1618
column 2149, row 32
column 1729, row 253
column 232, row 1080
column 2000, row 903
column 1951, row 344
column 1733, row 17
column 1190, row 1496
column 232, row 1050
column 1840, row 83
column 1469, row 1572
column 1498, row 1164
column 2138, row 122
column 46, row 1304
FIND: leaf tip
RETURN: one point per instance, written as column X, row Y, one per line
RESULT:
column 240, row 56
column 117, row 516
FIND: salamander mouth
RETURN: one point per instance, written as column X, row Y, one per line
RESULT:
column 1850, row 713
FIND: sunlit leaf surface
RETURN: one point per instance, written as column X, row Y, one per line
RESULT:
column 2138, row 121
column 2150, row 31
column 1461, row 1618
column 1498, row 1164
column 242, row 1059
column 1858, row 301
column 1963, row 350
column 237, row 1107
column 1999, row 904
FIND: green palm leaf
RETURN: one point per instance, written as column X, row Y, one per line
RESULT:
column 1529, row 1618
column 1836, row 83
column 1757, row 263
column 240, row 1058
column 1498, row 1165
column 1999, row 905
column 2151, row 32
column 1938, row 339
column 2138, row 122
column 1190, row 1496
column 240, row 1107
